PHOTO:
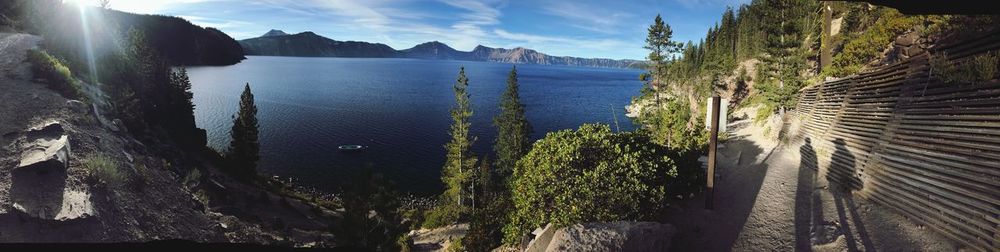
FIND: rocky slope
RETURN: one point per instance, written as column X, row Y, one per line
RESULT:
column 50, row 191
column 176, row 39
column 308, row 44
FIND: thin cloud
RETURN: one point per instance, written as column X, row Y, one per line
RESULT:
column 582, row 16
column 563, row 46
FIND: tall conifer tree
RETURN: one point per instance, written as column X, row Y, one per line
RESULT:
column 512, row 128
column 244, row 150
column 460, row 162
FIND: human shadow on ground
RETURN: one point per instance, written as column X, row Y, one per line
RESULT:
column 844, row 200
column 810, row 226
column 808, row 214
column 739, row 181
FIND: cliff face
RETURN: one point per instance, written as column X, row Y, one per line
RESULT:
column 308, row 44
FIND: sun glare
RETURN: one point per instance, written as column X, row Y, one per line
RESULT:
column 83, row 2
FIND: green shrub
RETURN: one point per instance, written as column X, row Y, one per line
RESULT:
column 104, row 169
column 55, row 72
column 979, row 68
column 440, row 216
column 456, row 245
column 870, row 43
column 985, row 65
column 572, row 176
column 405, row 243
column 669, row 127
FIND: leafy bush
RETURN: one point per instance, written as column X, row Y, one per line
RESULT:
column 55, row 72
column 669, row 127
column 440, row 216
column 405, row 243
column 455, row 245
column 571, row 176
column 413, row 218
column 104, row 169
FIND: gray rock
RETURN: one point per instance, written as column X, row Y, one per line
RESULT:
column 907, row 39
column 613, row 236
column 76, row 106
column 119, row 124
column 128, row 156
column 543, row 237
column 47, row 146
column 912, row 51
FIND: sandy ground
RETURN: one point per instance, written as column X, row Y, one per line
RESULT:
column 765, row 201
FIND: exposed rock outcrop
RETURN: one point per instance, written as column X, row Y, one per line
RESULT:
column 47, row 146
column 613, row 236
column 38, row 183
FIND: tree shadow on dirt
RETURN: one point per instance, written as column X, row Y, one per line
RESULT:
column 738, row 182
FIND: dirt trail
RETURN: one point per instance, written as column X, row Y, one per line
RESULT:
column 766, row 201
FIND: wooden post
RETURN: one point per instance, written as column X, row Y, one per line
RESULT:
column 712, row 143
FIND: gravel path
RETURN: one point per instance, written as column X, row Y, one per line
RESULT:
column 766, row 201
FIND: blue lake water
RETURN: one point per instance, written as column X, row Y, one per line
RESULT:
column 398, row 107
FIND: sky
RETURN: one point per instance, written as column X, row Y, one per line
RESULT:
column 580, row 28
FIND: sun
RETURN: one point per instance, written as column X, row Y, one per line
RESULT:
column 85, row 2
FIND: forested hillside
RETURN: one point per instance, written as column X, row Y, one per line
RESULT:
column 178, row 40
column 760, row 54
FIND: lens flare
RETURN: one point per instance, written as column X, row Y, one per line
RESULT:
column 88, row 45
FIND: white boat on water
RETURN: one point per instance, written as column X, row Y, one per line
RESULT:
column 352, row 147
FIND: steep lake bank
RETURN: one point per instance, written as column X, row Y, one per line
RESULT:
column 398, row 107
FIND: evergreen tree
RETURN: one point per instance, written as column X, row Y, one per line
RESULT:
column 244, row 148
column 180, row 116
column 371, row 218
column 784, row 60
column 460, row 161
column 491, row 208
column 659, row 44
column 512, row 128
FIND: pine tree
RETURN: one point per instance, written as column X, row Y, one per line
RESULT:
column 180, row 116
column 512, row 128
column 489, row 213
column 244, row 148
column 460, row 161
column 659, row 44
column 786, row 33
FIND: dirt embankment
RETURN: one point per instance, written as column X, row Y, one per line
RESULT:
column 47, row 193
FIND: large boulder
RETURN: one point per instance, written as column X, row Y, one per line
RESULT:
column 613, row 236
column 46, row 146
column 543, row 237
column 38, row 183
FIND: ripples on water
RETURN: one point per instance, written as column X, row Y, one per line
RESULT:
column 398, row 107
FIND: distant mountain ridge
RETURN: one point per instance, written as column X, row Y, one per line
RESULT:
column 274, row 32
column 309, row 44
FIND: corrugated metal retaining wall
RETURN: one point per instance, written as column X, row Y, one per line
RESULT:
column 928, row 149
